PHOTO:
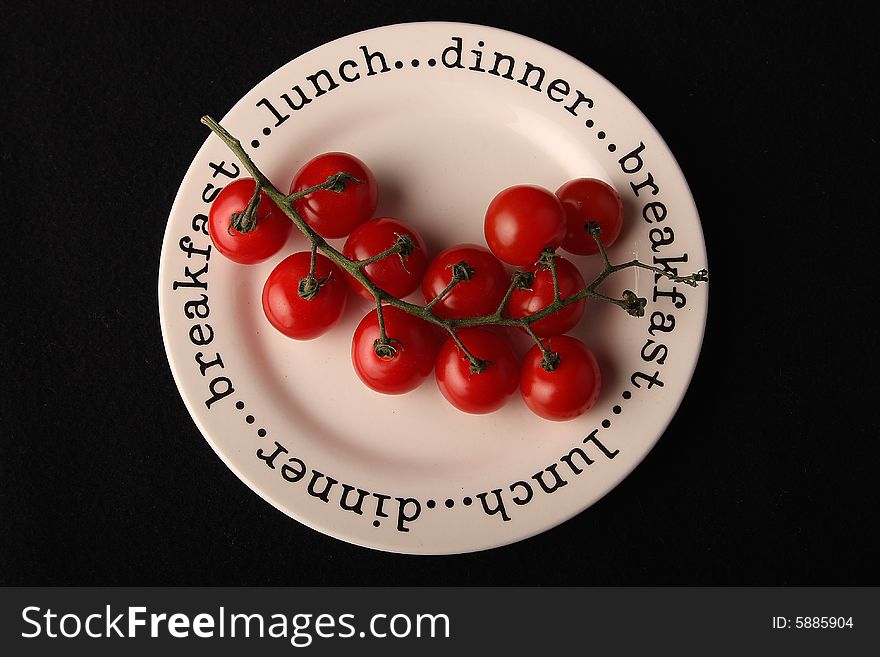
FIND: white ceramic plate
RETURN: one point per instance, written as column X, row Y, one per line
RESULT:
column 446, row 115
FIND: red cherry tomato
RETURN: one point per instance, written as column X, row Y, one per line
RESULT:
column 295, row 316
column 415, row 349
column 256, row 245
column 569, row 390
column 479, row 295
column 477, row 392
column 397, row 277
column 335, row 214
column 590, row 199
column 522, row 221
column 528, row 302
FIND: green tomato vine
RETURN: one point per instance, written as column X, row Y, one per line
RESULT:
column 309, row 286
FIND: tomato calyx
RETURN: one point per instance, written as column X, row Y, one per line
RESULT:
column 634, row 304
column 523, row 280
column 385, row 348
column 478, row 365
column 594, row 230
column 547, row 259
column 404, row 246
column 338, row 182
column 246, row 220
column 335, row 182
column 461, row 271
column 550, row 360
column 309, row 286
column 383, row 345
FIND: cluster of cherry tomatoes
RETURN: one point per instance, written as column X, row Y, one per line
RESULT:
column 476, row 370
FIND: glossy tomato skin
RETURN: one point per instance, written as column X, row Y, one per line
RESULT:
column 413, row 360
column 335, row 214
column 568, row 391
column 390, row 274
column 482, row 392
column 522, row 221
column 590, row 199
column 477, row 296
column 295, row 316
column 264, row 241
column 528, row 302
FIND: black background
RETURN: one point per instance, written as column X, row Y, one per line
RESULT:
column 768, row 473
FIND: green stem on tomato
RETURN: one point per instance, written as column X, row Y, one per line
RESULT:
column 443, row 293
column 246, row 220
column 335, row 183
column 551, row 265
column 309, row 286
column 314, row 259
column 383, row 346
column 549, row 358
column 461, row 271
column 520, row 280
column 403, row 246
column 594, row 229
column 477, row 365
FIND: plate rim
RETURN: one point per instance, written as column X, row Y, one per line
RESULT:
column 528, row 531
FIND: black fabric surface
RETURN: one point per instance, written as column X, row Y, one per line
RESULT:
column 768, row 473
